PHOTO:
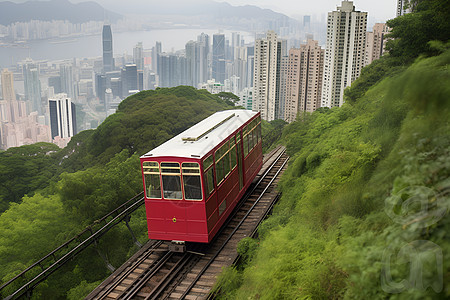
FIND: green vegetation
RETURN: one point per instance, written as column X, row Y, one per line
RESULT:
column 48, row 194
column 366, row 196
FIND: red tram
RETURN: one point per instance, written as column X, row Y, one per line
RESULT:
column 193, row 181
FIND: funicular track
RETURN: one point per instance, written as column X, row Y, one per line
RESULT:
column 157, row 273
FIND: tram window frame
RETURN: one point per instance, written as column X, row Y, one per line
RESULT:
column 245, row 141
column 208, row 175
column 233, row 153
column 222, row 157
column 191, row 171
column 174, row 176
column 156, row 171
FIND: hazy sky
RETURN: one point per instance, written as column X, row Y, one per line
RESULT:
column 379, row 10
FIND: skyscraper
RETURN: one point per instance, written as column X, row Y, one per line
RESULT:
column 32, row 87
column 138, row 56
column 204, row 54
column 267, row 90
column 67, row 82
column 345, row 48
column 401, row 8
column 129, row 79
column 62, row 116
column 8, row 92
column 375, row 43
column 304, row 79
column 218, row 57
column 108, row 60
column 193, row 63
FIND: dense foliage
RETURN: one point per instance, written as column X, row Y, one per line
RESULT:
column 24, row 170
column 366, row 196
column 68, row 189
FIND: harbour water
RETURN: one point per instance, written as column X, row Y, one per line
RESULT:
column 91, row 46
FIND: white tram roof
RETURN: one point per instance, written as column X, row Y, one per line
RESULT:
column 201, row 138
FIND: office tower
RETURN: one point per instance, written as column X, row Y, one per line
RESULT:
column 235, row 44
column 100, row 87
column 267, row 76
column 140, row 75
column 375, row 43
column 67, row 82
column 402, row 8
column 138, row 56
column 218, row 57
column 344, row 54
column 32, row 87
column 129, row 79
column 204, row 68
column 193, row 63
column 108, row 60
column 62, row 116
column 116, row 87
column 304, row 79
column 55, row 82
column 156, row 51
column 8, row 92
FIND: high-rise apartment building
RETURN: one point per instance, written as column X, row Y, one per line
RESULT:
column 218, row 57
column 62, row 116
column 108, row 60
column 345, row 52
column 8, row 92
column 402, row 8
column 304, row 79
column 267, row 76
column 375, row 43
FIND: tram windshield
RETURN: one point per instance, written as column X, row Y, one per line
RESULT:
column 151, row 179
column 192, row 181
column 166, row 179
column 171, row 180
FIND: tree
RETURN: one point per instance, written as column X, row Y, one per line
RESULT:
column 411, row 33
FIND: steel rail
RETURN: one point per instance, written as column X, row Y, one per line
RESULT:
column 145, row 278
column 103, row 294
column 202, row 271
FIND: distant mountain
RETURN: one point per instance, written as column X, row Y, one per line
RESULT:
column 54, row 10
column 205, row 13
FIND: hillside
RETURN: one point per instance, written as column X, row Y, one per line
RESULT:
column 69, row 189
column 53, row 10
column 366, row 196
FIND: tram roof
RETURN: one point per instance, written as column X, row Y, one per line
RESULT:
column 201, row 138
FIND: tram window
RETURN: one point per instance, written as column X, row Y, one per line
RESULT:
column 207, row 162
column 250, row 137
column 222, row 162
column 245, row 142
column 208, row 175
column 151, row 179
column 258, row 131
column 191, row 181
column 233, row 154
column 171, row 181
column 209, row 180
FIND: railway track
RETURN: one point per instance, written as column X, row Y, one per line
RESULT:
column 157, row 273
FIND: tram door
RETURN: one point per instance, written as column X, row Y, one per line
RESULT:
column 240, row 165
